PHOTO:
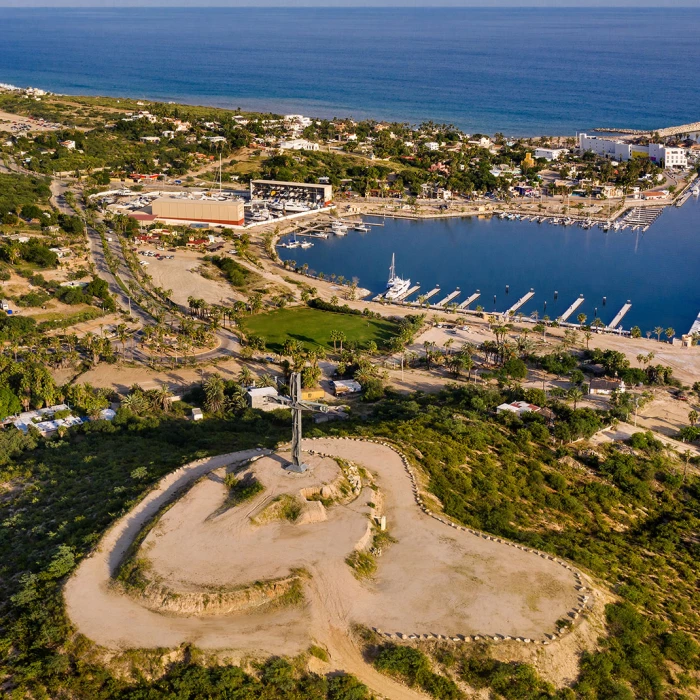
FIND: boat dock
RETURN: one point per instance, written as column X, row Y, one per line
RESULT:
column 620, row 314
column 431, row 293
column 522, row 301
column 640, row 218
column 695, row 328
column 571, row 309
column 468, row 301
column 449, row 298
column 412, row 290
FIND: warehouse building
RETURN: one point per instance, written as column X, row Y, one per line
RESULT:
column 224, row 213
column 293, row 196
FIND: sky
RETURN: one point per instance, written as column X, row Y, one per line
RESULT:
column 351, row 3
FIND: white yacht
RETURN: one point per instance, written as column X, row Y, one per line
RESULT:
column 395, row 287
column 696, row 190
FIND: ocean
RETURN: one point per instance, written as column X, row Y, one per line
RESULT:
column 517, row 71
column 657, row 271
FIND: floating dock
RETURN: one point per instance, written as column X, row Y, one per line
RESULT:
column 620, row 314
column 571, row 309
column 523, row 300
column 471, row 299
column 449, row 298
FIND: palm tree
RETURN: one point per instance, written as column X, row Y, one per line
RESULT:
column 658, row 331
column 574, row 394
column 693, row 417
column 669, row 333
column 245, row 376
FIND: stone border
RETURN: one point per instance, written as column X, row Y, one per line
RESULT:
column 576, row 613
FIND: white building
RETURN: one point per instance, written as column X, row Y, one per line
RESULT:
column 622, row 151
column 550, row 153
column 432, row 145
column 299, row 145
column 70, row 145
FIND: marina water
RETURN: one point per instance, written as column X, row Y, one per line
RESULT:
column 657, row 270
column 517, row 71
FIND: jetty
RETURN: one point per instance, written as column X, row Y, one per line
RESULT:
column 448, row 298
column 522, row 301
column 695, row 328
column 469, row 300
column 571, row 309
column 620, row 315
column 412, row 290
column 431, row 293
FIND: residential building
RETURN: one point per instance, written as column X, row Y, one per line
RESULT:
column 605, row 387
column 298, row 145
column 624, row 151
column 550, row 153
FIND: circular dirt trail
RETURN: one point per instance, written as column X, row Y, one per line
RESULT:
column 435, row 579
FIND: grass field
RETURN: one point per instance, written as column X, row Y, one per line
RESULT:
column 313, row 327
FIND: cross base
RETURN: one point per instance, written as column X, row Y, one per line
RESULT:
column 296, row 468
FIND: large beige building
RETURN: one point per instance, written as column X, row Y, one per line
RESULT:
column 229, row 213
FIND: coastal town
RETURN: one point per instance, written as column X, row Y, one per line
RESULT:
column 296, row 466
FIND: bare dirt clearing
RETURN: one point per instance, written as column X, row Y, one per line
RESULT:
column 434, row 580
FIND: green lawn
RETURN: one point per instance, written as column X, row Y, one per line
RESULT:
column 313, row 327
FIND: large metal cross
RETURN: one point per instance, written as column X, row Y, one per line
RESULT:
column 298, row 405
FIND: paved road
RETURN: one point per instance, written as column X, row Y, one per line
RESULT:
column 227, row 342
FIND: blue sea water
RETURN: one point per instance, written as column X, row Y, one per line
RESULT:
column 519, row 71
column 657, row 270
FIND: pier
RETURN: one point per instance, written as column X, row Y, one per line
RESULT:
column 620, row 314
column 695, row 328
column 412, row 290
column 448, row 298
column 468, row 301
column 523, row 300
column 571, row 309
column 427, row 296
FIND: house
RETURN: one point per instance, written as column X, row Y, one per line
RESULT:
column 654, row 195
column 432, row 145
column 605, row 387
column 345, row 386
column 70, row 145
column 150, row 139
column 518, row 407
column 264, row 398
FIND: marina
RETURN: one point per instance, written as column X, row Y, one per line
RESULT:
column 656, row 268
